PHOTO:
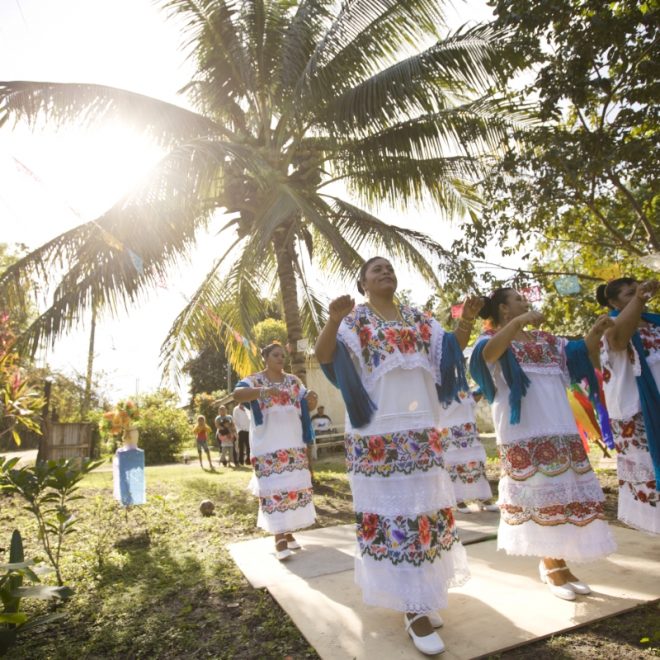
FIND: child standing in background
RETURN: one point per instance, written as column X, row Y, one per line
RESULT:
column 225, row 436
column 202, row 431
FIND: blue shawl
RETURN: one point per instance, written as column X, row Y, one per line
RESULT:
column 305, row 419
column 341, row 372
column 649, row 396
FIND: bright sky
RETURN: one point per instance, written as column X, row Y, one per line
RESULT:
column 50, row 182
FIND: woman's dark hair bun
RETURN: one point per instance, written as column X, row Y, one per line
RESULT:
column 359, row 288
column 610, row 291
column 600, row 295
column 486, row 311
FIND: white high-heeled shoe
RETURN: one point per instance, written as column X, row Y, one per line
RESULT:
column 561, row 591
column 428, row 644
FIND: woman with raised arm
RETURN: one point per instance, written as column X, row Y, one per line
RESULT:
column 394, row 365
column 280, row 426
column 551, row 504
column 630, row 358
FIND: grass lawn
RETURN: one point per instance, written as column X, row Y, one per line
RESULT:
column 159, row 583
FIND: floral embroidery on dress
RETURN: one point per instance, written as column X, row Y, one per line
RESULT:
column 575, row 513
column 551, row 455
column 630, row 433
column 403, row 451
column 289, row 394
column 467, row 473
column 284, row 501
column 460, row 436
column 644, row 492
column 544, row 350
column 282, row 460
column 400, row 539
column 379, row 338
column 650, row 336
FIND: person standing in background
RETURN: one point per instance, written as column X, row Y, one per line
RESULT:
column 241, row 419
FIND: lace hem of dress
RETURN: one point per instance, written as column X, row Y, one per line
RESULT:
column 407, row 588
column 550, row 492
column 574, row 544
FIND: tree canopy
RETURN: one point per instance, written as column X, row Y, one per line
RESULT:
column 288, row 97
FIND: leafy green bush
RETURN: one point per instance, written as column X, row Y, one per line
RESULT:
column 164, row 429
column 49, row 488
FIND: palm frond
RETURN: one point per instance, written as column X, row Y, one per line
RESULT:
column 364, row 230
column 85, row 104
column 422, row 83
column 221, row 306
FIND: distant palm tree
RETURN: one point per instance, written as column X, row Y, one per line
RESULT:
column 290, row 96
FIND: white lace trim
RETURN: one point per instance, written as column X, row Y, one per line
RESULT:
column 640, row 515
column 549, row 491
column 462, row 456
column 403, row 494
column 569, row 542
column 478, row 490
column 637, row 471
column 275, row 483
column 279, row 522
column 408, row 588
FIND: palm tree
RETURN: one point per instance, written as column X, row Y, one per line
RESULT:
column 290, row 96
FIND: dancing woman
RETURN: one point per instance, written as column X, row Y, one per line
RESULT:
column 279, row 427
column 630, row 358
column 550, row 500
column 393, row 364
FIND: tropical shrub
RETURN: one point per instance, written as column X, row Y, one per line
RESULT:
column 49, row 488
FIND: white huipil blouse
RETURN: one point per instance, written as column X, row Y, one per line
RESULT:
column 408, row 552
column 639, row 501
column 551, row 502
column 281, row 478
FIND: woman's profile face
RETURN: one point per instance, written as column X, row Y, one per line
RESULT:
column 516, row 304
column 275, row 359
column 379, row 277
column 625, row 294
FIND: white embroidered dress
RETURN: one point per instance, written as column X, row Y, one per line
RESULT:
column 408, row 552
column 551, row 502
column 464, row 455
column 281, row 478
column 639, row 501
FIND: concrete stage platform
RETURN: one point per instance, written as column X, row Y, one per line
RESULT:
column 504, row 605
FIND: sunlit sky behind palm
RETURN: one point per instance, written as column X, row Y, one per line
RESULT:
column 51, row 181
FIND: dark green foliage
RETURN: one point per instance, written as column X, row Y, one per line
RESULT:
column 164, row 428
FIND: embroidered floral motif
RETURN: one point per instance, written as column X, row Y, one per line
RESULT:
column 379, row 338
column 282, row 460
column 551, row 455
column 286, row 500
column 467, row 473
column 404, row 451
column 630, row 433
column 650, row 336
column 401, row 539
column 289, row 391
column 460, row 436
column 644, row 492
column 544, row 350
column 575, row 513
